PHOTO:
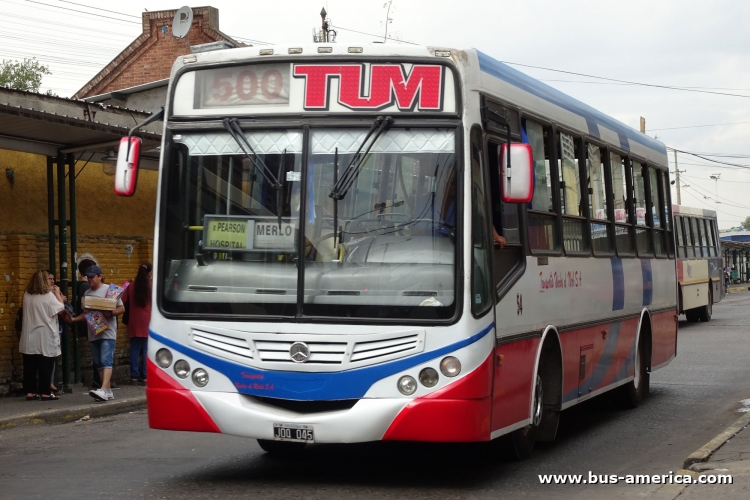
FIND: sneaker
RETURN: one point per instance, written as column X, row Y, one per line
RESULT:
column 100, row 394
column 110, row 396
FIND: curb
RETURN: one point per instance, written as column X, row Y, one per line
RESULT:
column 672, row 491
column 738, row 289
column 70, row 414
column 703, row 453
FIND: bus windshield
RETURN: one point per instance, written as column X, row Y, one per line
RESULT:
column 258, row 233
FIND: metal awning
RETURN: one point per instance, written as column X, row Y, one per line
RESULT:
column 49, row 125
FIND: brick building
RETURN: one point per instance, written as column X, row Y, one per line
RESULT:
column 42, row 137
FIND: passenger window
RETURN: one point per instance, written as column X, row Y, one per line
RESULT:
column 542, row 221
column 697, row 243
column 504, row 215
column 595, row 172
column 569, row 172
column 623, row 230
column 704, row 237
column 655, row 197
column 680, row 237
column 642, row 233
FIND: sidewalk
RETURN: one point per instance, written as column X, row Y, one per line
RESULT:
column 726, row 454
column 15, row 411
column 742, row 287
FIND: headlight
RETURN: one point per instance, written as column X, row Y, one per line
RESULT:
column 200, row 377
column 182, row 368
column 407, row 385
column 429, row 377
column 450, row 366
column 163, row 358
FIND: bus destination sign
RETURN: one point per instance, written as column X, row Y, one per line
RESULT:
column 225, row 233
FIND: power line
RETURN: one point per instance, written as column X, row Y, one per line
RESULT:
column 625, row 84
column 669, row 87
column 99, row 8
column 697, row 126
column 372, row 34
column 720, row 180
column 739, row 217
column 83, row 12
column 727, row 200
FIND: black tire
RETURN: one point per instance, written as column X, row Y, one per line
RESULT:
column 521, row 441
column 693, row 315
column 281, row 449
column 705, row 312
column 637, row 389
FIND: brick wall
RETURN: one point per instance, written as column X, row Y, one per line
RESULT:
column 21, row 255
column 150, row 56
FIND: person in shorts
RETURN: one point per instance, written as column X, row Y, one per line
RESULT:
column 103, row 344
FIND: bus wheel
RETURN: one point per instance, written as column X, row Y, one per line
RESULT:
column 637, row 389
column 280, row 448
column 705, row 312
column 693, row 315
column 522, row 440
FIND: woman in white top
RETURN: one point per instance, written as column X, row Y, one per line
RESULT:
column 40, row 342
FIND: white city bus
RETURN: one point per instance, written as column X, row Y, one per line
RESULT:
column 324, row 261
column 699, row 267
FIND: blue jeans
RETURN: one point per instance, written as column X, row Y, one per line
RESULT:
column 138, row 347
column 102, row 353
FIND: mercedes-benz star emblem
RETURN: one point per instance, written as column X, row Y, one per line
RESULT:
column 299, row 352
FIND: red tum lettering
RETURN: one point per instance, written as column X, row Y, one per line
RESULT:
column 422, row 87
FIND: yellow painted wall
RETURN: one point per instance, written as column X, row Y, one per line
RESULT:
column 117, row 232
column 23, row 204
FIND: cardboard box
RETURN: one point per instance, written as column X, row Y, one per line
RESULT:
column 99, row 303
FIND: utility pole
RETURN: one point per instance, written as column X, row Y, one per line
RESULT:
column 677, row 177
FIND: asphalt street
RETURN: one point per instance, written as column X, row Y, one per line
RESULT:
column 692, row 400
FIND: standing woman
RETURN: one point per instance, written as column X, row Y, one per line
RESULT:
column 40, row 341
column 138, row 299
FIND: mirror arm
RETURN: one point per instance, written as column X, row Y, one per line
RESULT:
column 158, row 116
column 489, row 115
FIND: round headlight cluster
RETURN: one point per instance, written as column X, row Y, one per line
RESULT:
column 450, row 366
column 429, row 377
column 200, row 377
column 407, row 385
column 182, row 368
column 164, row 358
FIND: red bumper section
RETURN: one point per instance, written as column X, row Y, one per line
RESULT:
column 172, row 407
column 459, row 412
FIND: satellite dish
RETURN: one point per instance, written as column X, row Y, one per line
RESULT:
column 182, row 21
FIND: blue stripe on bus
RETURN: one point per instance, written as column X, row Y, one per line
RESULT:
column 308, row 386
column 593, row 117
column 602, row 366
column 618, row 285
column 648, row 283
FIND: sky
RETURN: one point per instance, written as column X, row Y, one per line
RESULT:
column 702, row 46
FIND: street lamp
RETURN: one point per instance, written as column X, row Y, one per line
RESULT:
column 109, row 163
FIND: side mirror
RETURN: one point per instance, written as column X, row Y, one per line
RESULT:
column 516, row 179
column 128, row 159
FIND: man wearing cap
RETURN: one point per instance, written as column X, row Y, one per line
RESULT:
column 102, row 345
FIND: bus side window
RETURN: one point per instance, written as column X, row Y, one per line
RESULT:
column 504, row 215
column 601, row 241
column 481, row 286
column 666, row 202
column 704, row 237
column 697, row 244
column 689, row 246
column 714, row 236
column 571, row 200
column 623, row 225
column 680, row 237
column 542, row 220
column 642, row 236
column 657, row 216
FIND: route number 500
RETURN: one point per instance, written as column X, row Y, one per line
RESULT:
column 246, row 84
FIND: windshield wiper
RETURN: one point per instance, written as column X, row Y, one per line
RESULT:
column 234, row 129
column 351, row 172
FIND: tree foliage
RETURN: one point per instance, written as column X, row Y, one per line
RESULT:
column 746, row 223
column 26, row 75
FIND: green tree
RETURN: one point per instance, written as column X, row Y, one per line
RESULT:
column 746, row 224
column 26, row 75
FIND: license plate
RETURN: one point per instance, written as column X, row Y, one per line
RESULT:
column 293, row 432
